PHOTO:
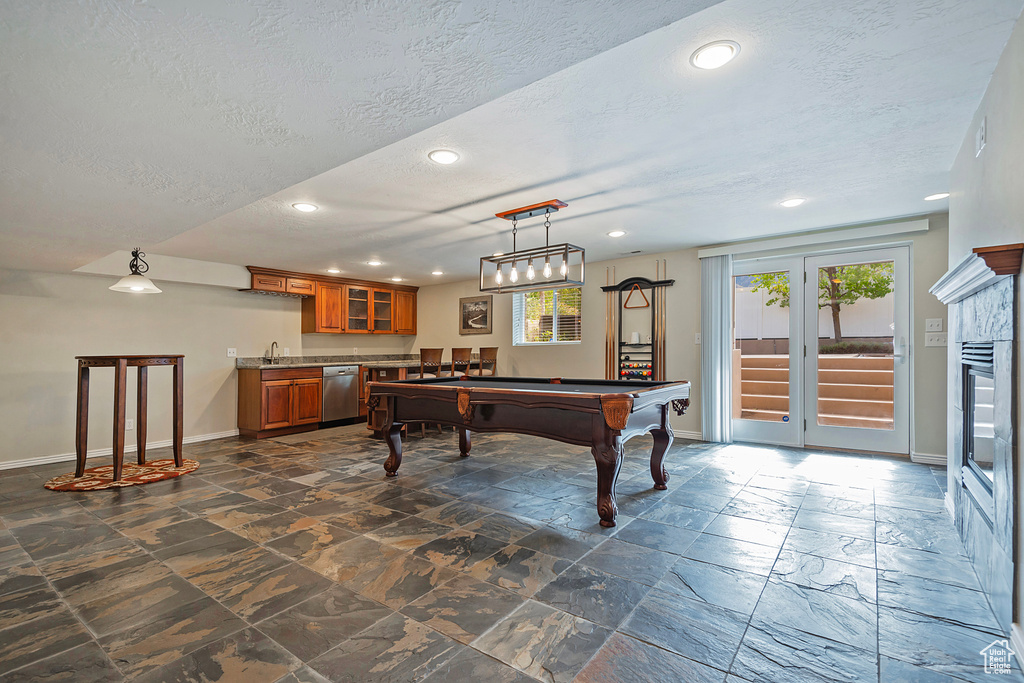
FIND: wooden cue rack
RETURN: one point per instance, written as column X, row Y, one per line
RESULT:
column 629, row 360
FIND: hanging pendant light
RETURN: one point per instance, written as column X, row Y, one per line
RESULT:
column 136, row 282
column 568, row 254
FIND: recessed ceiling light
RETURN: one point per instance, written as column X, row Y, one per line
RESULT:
column 790, row 203
column 443, row 156
column 498, row 253
column 617, row 233
column 373, row 263
column 305, row 208
column 933, row 197
column 396, row 279
column 438, row 272
column 714, row 55
column 333, row 271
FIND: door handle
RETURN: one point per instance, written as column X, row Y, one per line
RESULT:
column 899, row 353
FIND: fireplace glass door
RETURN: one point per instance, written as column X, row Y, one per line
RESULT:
column 979, row 430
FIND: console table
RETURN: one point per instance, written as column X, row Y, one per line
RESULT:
column 120, row 365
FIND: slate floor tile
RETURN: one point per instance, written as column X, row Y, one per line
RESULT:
column 86, row 663
column 146, row 602
column 275, row 526
column 273, row 592
column 94, row 584
column 244, row 656
column 839, row 506
column 895, row 671
column 829, row 616
column 563, row 542
column 459, row 549
column 173, row 534
column 955, row 570
column 732, row 553
column 463, row 608
column 457, row 513
column 396, row 648
column 41, row 638
column 831, row 576
column 28, row 605
column 669, row 539
column 366, row 519
column 697, row 630
column 593, row 594
column 817, row 520
column 833, row 546
column 243, row 514
column 633, row 562
column 543, row 642
column 313, row 627
column 184, row 556
column 62, row 535
column 408, row 533
column 623, row 659
column 519, row 569
column 771, row 653
column 679, row 515
column 729, row 588
column 471, row 665
column 358, row 560
column 749, row 530
column 20, row 577
column 940, row 600
column 401, row 579
column 312, row 539
column 503, row 527
column 216, row 576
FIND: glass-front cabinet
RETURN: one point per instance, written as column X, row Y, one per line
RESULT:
column 368, row 309
column 382, row 310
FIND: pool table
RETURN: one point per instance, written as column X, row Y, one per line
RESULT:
column 601, row 414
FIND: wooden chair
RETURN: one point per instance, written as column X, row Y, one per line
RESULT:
column 430, row 364
column 460, row 363
column 488, row 360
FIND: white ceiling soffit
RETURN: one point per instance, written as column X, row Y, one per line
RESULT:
column 126, row 123
column 858, row 107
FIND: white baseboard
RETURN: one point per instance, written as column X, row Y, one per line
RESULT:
column 101, row 452
column 928, row 458
column 1017, row 640
column 692, row 436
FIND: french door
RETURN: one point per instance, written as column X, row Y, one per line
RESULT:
column 821, row 350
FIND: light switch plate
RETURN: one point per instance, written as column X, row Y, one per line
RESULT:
column 286, row 351
column 933, row 325
column 696, row 338
column 935, row 339
column 232, row 353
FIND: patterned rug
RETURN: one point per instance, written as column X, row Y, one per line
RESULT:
column 97, row 478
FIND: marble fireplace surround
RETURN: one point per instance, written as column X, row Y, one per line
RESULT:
column 981, row 294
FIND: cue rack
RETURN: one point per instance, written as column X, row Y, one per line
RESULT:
column 645, row 359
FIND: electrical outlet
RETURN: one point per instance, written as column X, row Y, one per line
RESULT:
column 232, row 353
column 933, row 325
column 129, row 424
column 935, row 339
column 355, row 351
column 696, row 338
column 286, row 351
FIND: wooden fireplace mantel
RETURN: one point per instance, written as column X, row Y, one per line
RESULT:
column 983, row 267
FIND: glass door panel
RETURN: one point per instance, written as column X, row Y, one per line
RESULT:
column 358, row 309
column 764, row 392
column 855, row 336
column 381, row 310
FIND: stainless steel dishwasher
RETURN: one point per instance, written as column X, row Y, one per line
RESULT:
column 341, row 392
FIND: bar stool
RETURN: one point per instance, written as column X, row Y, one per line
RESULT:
column 460, row 363
column 488, row 360
column 430, row 364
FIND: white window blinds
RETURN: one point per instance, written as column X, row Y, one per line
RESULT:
column 547, row 317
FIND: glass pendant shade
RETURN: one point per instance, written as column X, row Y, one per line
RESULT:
column 530, row 272
column 514, row 275
column 547, row 267
column 135, row 284
column 564, row 268
column 497, row 277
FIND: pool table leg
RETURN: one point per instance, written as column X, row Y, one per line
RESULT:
column 393, row 436
column 662, row 442
column 464, row 442
column 608, row 456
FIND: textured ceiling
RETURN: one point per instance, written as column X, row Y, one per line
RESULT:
column 127, row 122
column 190, row 129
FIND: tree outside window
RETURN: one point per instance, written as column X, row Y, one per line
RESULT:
column 547, row 316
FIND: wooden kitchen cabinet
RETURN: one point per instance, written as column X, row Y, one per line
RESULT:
column 323, row 313
column 276, row 401
column 405, row 312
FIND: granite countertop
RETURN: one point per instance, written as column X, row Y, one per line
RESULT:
column 383, row 360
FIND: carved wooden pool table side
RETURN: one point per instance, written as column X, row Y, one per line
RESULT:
column 601, row 414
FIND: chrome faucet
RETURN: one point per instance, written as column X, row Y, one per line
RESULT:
column 273, row 361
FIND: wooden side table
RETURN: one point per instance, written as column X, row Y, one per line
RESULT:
column 120, row 365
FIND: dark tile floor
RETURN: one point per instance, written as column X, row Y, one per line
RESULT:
column 294, row 559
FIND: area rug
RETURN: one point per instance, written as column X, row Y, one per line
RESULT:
column 97, row 478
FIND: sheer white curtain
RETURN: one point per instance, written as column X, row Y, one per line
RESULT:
column 716, row 348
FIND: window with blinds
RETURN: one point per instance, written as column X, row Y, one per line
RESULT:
column 547, row 317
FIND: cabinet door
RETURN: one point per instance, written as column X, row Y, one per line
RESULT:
column 382, row 311
column 328, row 308
column 307, row 395
column 357, row 309
column 405, row 313
column 276, row 404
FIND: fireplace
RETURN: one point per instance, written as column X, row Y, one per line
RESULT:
column 981, row 293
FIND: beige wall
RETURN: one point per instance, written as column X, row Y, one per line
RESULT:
column 986, row 206
column 48, row 319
